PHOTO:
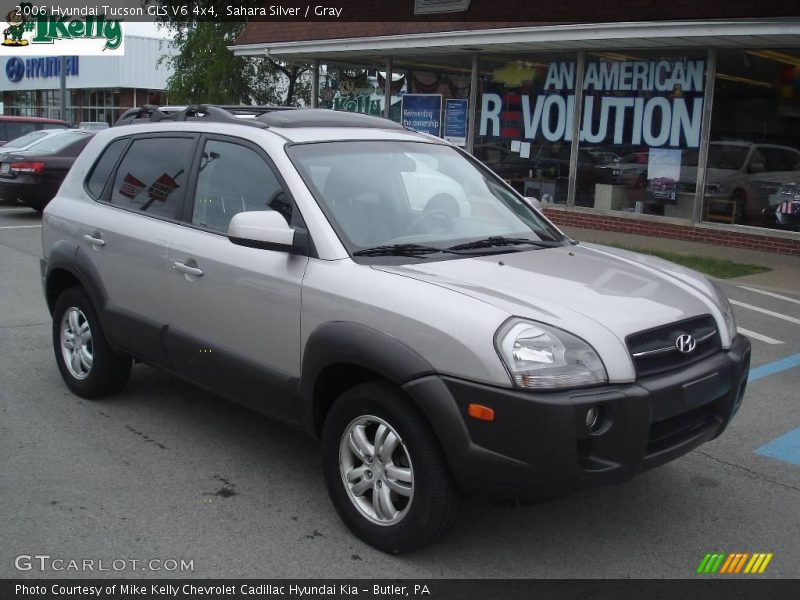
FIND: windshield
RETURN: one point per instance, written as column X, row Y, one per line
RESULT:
column 720, row 156
column 390, row 193
column 27, row 139
column 58, row 141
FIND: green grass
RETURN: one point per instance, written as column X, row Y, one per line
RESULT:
column 716, row 267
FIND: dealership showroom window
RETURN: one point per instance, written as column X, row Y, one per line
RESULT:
column 645, row 117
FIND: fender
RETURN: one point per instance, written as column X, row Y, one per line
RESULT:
column 359, row 345
column 68, row 256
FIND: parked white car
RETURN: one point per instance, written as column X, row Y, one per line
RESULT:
column 733, row 169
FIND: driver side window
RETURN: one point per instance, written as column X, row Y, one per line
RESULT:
column 233, row 179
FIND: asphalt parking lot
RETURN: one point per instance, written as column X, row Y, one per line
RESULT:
column 164, row 471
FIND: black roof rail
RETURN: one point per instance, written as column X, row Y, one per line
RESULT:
column 211, row 112
column 255, row 116
column 149, row 112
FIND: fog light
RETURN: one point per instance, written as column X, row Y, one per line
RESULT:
column 594, row 419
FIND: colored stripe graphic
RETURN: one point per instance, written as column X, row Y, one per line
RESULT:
column 734, row 563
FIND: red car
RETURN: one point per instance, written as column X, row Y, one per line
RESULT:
column 12, row 127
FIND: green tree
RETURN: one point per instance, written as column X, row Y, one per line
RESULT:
column 205, row 70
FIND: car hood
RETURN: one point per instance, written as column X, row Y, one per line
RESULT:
column 689, row 175
column 599, row 293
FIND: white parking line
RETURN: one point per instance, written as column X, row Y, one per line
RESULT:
column 758, row 336
column 15, row 208
column 771, row 313
column 766, row 293
column 19, row 226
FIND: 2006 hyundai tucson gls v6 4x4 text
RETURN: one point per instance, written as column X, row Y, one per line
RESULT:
column 438, row 345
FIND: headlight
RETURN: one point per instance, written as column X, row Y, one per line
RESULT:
column 727, row 310
column 545, row 358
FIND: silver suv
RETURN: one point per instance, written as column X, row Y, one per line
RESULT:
column 458, row 346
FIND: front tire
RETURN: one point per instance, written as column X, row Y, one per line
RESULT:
column 88, row 364
column 384, row 470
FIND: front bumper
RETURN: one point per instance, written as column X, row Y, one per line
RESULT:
column 539, row 446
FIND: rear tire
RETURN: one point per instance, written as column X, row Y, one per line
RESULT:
column 88, row 364
column 384, row 470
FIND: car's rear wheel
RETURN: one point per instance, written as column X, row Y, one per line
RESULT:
column 385, row 471
column 88, row 364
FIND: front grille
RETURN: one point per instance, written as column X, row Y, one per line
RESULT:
column 654, row 350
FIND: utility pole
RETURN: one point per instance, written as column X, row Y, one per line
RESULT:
column 62, row 74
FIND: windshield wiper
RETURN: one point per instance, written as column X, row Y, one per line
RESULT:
column 414, row 250
column 500, row 241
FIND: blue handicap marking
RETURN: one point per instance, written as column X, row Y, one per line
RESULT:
column 774, row 367
column 785, row 447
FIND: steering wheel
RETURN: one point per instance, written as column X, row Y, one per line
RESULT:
column 435, row 221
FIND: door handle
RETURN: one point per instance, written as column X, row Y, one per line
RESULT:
column 188, row 269
column 94, row 241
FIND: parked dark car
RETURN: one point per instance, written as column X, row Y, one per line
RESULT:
column 33, row 176
column 12, row 127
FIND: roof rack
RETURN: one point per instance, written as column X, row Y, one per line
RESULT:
column 212, row 112
column 255, row 116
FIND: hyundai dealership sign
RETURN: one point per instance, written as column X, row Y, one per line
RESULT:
column 40, row 67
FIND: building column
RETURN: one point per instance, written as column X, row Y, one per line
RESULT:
column 472, row 119
column 705, row 135
column 387, row 92
column 315, row 84
column 577, row 114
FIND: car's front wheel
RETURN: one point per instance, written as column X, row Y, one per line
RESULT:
column 88, row 364
column 385, row 471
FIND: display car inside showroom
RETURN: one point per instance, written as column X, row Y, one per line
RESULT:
column 676, row 120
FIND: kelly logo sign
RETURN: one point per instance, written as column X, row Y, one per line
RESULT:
column 33, row 31
column 657, row 103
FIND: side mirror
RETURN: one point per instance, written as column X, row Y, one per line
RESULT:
column 266, row 230
column 757, row 168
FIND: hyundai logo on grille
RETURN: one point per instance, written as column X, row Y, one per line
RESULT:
column 685, row 343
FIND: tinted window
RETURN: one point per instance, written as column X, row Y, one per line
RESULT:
column 152, row 176
column 103, row 167
column 779, row 159
column 234, row 179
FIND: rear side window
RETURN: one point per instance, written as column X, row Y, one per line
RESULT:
column 152, row 176
column 103, row 167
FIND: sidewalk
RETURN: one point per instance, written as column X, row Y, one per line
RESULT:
column 785, row 274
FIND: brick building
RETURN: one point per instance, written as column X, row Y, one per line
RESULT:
column 677, row 119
